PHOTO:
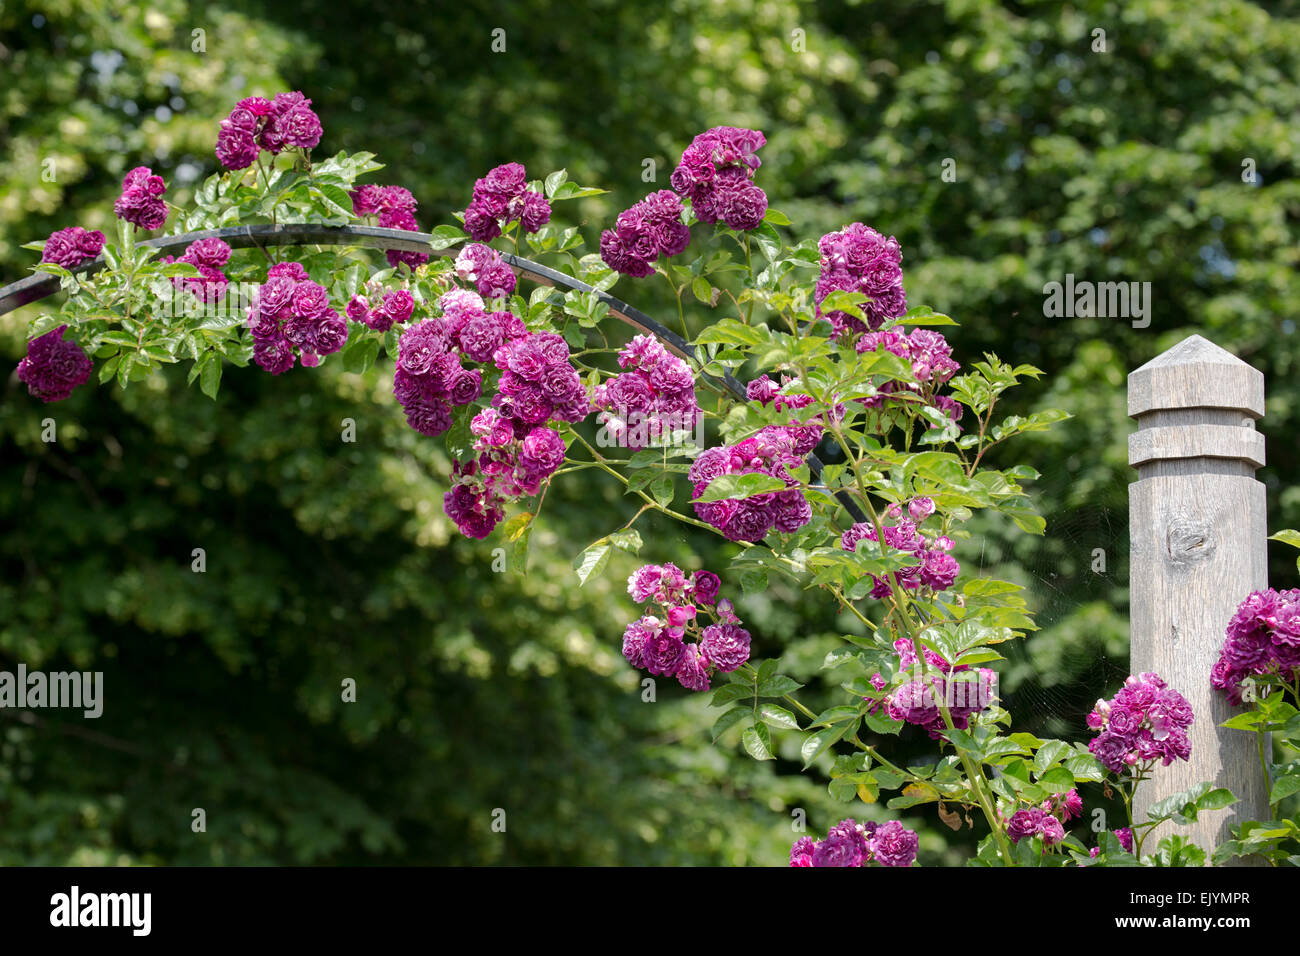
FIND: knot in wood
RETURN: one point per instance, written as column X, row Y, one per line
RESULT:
column 1188, row 540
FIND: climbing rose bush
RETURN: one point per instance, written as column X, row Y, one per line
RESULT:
column 1258, row 671
column 804, row 413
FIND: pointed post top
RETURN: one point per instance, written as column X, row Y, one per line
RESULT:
column 1196, row 373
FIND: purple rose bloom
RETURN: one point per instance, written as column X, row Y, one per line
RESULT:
column 543, row 450
column 299, row 127
column 662, row 652
column 53, row 366
column 693, row 669
column 467, row 387
column 705, row 586
column 801, row 853
column 634, row 640
column 725, row 645
column 1025, row 824
column 893, row 844
column 536, row 211
column 72, row 246
column 837, row 850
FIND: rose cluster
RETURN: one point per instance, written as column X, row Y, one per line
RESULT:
column 769, row 451
column 257, row 124
column 428, row 379
column 71, row 247
column 1047, row 821
column 500, row 198
column 858, row 844
column 644, row 232
column 141, row 201
column 291, row 318
column 651, row 399
column 53, row 366
column 516, row 449
column 1035, row 821
column 859, row 259
column 395, row 308
column 806, row 435
column 395, row 207
column 917, row 701
column 483, row 266
column 1146, row 721
column 716, row 173
column 1263, row 638
column 932, row 364
column 934, row 567
column 656, row 642
column 208, row 256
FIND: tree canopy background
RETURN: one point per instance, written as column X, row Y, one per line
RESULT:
column 326, row 560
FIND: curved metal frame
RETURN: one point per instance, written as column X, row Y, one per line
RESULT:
column 36, row 287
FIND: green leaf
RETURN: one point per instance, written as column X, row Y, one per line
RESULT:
column 360, row 353
column 1287, row 536
column 778, row 686
column 702, row 290
column 336, row 199
column 1247, row 720
column 1049, row 754
column 1085, row 767
column 834, row 715
column 924, row 315
column 758, row 742
column 628, row 540
column 729, row 719
column 554, row 180
column 661, row 489
column 446, row 236
column 210, row 376
column 731, row 332
column 778, row 717
column 740, row 486
column 730, row 692
column 571, row 190
column 592, row 560
column 1284, row 787
column 818, row 741
column 1185, row 806
column 108, row 368
column 1056, row 780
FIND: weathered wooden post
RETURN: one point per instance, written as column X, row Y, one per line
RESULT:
column 1198, row 528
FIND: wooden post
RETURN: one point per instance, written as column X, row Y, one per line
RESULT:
column 1198, row 528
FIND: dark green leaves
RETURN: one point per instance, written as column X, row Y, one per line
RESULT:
column 1184, row 807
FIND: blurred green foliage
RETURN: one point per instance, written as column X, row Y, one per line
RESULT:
column 328, row 560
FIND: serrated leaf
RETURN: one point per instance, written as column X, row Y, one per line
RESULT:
column 592, row 560
column 740, row 486
column 729, row 719
column 446, row 236
column 778, row 686
column 778, row 717
column 1284, row 787
column 210, row 376
column 757, row 741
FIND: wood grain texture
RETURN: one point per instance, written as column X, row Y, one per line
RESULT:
column 1198, row 530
